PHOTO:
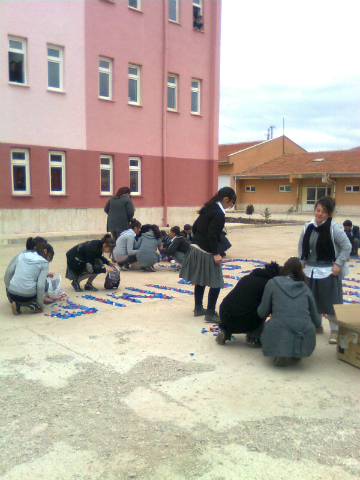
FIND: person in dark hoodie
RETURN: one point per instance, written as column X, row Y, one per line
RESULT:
column 290, row 334
column 178, row 246
column 238, row 310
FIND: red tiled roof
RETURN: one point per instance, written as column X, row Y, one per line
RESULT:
column 228, row 148
column 335, row 162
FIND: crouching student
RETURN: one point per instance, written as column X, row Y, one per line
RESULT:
column 28, row 274
column 86, row 260
column 238, row 310
column 290, row 334
column 147, row 253
column 178, row 246
column 126, row 245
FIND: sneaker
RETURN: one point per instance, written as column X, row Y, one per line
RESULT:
column 199, row 311
column 281, row 361
column 150, row 268
column 15, row 308
column 319, row 330
column 333, row 337
column 212, row 317
column 126, row 267
column 34, row 308
column 90, row 286
column 76, row 286
column 253, row 342
column 220, row 338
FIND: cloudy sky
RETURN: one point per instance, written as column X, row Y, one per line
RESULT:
column 293, row 60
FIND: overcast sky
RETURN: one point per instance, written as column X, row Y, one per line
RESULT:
column 297, row 60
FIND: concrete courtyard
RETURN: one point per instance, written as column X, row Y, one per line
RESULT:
column 139, row 392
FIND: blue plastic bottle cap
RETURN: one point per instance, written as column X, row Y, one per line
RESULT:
column 192, row 354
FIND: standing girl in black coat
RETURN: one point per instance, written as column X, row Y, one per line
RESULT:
column 202, row 265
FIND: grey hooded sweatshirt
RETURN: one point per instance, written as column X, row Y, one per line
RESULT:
column 291, row 330
column 29, row 276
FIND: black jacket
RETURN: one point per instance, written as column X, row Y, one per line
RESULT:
column 87, row 252
column 177, row 244
column 207, row 229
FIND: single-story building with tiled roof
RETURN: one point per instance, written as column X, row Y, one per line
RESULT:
column 299, row 179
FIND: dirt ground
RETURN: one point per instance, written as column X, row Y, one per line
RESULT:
column 139, row 392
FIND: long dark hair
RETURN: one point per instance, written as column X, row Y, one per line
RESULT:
column 32, row 242
column 175, row 230
column 134, row 223
column 41, row 246
column 222, row 193
column 293, row 268
column 273, row 269
column 122, row 191
column 327, row 203
column 156, row 231
column 108, row 241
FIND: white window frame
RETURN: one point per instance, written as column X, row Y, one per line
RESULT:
column 173, row 86
column 138, row 5
column 350, row 189
column 136, row 77
column 23, row 52
column 133, row 168
column 196, row 90
column 284, row 188
column 56, row 164
column 106, row 71
column 58, row 60
column 176, row 3
column 24, row 163
column 198, row 4
column 107, row 167
column 250, row 188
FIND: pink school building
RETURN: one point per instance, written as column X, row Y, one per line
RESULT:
column 100, row 94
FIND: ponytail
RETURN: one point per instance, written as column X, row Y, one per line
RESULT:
column 222, row 193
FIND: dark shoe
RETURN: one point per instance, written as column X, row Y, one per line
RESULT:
column 89, row 286
column 281, row 361
column 319, row 330
column 34, row 308
column 220, row 339
column 126, row 267
column 15, row 308
column 76, row 286
column 199, row 311
column 253, row 342
column 293, row 360
column 150, row 268
column 212, row 317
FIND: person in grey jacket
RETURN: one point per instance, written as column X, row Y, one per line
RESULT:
column 28, row 277
column 290, row 334
column 147, row 253
column 126, row 245
column 120, row 210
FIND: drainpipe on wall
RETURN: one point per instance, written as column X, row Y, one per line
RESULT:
column 164, row 112
column 235, row 191
column 327, row 179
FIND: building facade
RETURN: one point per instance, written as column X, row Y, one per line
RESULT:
column 101, row 94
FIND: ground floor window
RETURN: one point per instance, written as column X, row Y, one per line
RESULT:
column 57, row 173
column 352, row 189
column 284, row 188
column 20, row 171
column 106, row 175
column 314, row 193
column 250, row 188
column 135, row 175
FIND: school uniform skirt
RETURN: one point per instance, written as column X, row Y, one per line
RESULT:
column 327, row 292
column 199, row 268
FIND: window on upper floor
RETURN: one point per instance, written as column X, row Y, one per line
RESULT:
column 17, row 60
column 55, row 56
column 105, row 78
column 57, row 173
column 106, row 174
column 174, row 10
column 195, row 96
column 20, row 171
column 135, row 4
column 352, row 189
column 284, row 188
column 134, row 84
column 135, row 175
column 198, row 23
column 172, row 92
column 249, row 188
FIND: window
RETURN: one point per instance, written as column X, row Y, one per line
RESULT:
column 135, row 175
column 20, row 172
column 55, row 67
column 134, row 84
column 105, row 78
column 284, row 188
column 106, row 175
column 57, row 173
column 17, row 60
column 135, row 4
column 174, row 10
column 352, row 189
column 195, row 96
column 172, row 92
column 198, row 15
column 250, row 188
